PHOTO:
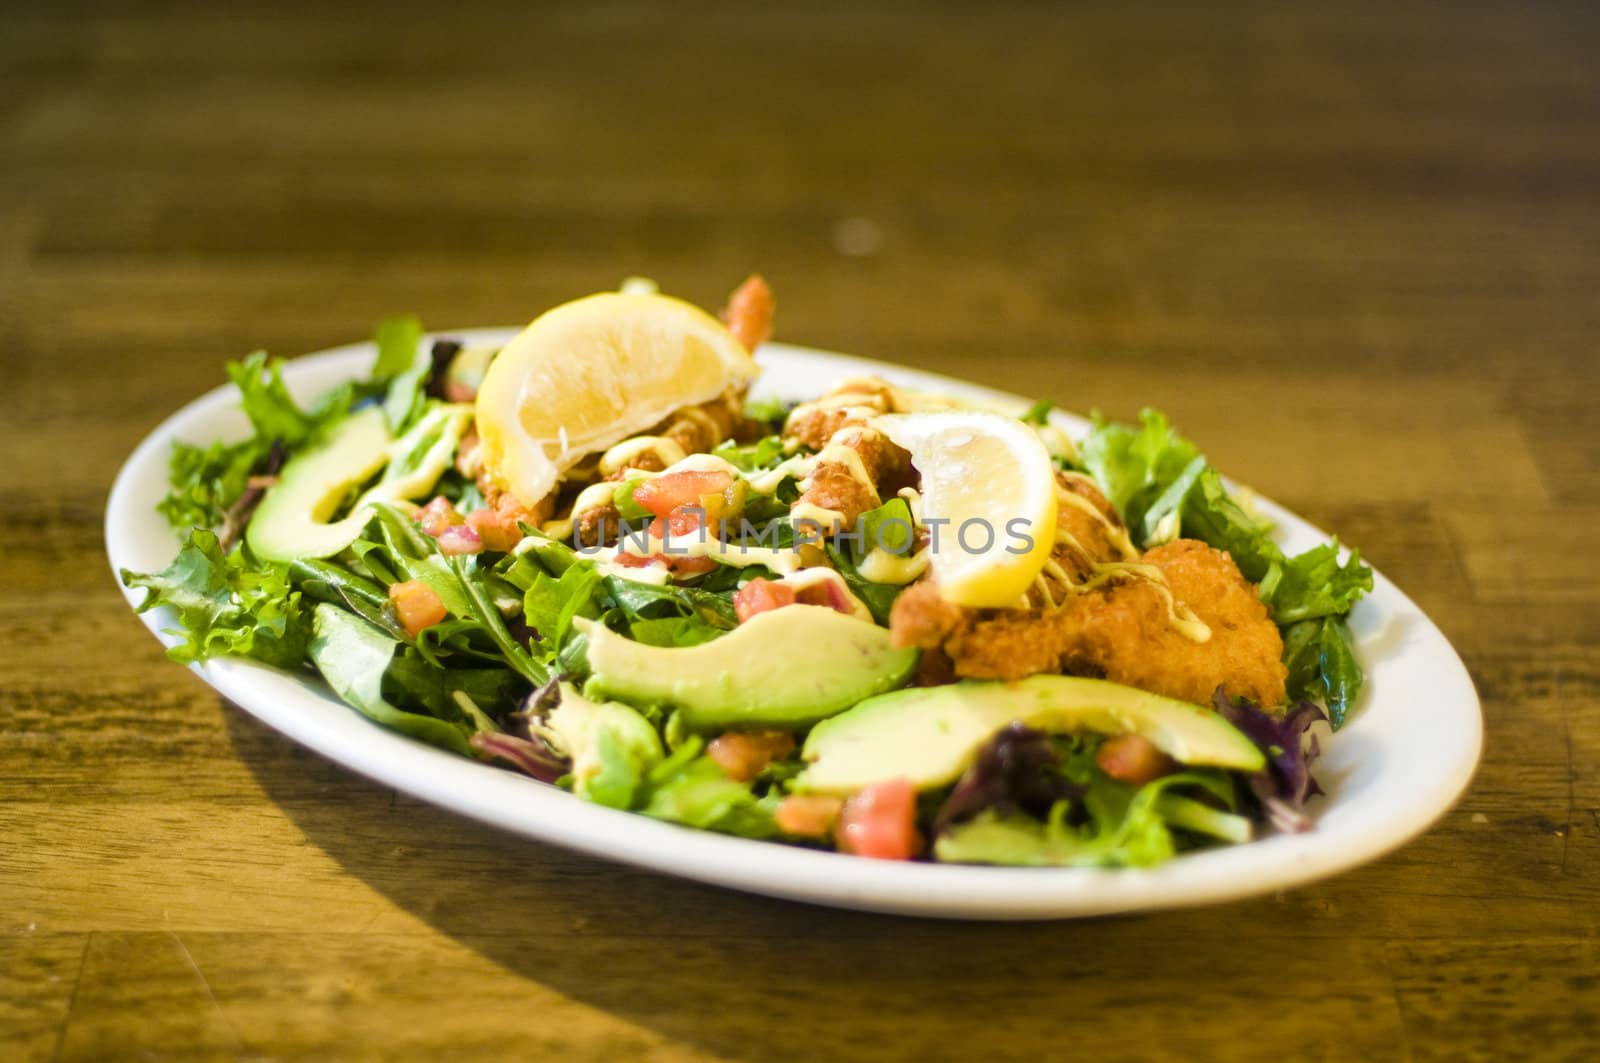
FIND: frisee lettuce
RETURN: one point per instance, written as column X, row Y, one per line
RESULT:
column 227, row 603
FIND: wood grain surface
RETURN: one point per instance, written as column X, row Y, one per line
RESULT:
column 1353, row 250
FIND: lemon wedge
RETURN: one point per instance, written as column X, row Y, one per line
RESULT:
column 988, row 479
column 592, row 372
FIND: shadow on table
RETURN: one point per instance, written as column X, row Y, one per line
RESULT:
column 739, row 975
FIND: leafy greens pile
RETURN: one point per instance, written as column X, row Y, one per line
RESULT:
column 511, row 644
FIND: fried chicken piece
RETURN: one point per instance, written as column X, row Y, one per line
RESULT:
column 978, row 643
column 840, row 419
column 1123, row 631
column 699, row 428
column 749, row 312
column 1088, row 532
column 813, row 424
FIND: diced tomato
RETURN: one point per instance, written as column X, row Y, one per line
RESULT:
column 498, row 530
column 688, row 566
column 1132, row 758
column 807, row 815
column 663, row 494
column 437, row 515
column 742, row 754
column 761, row 595
column 637, row 561
column 880, row 822
column 685, row 520
column 416, row 605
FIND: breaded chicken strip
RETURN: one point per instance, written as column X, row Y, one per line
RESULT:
column 840, row 419
column 1123, row 631
column 979, row 643
column 1088, row 532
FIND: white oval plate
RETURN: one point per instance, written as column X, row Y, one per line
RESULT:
column 1402, row 760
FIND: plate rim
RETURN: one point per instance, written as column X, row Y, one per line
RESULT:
column 534, row 810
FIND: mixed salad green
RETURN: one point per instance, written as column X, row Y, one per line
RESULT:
column 569, row 670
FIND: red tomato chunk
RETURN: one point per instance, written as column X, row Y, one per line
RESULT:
column 663, row 494
column 498, row 530
column 880, row 822
column 761, row 595
column 416, row 605
column 1132, row 758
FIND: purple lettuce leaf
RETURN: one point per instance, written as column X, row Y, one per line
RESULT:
column 519, row 745
column 1017, row 769
column 1286, row 784
column 528, row 755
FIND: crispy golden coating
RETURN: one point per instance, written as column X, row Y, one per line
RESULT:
column 813, row 424
column 1086, row 535
column 840, row 418
column 1123, row 632
column 699, row 428
column 978, row 643
column 834, row 487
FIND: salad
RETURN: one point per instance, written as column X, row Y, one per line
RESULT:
column 880, row 621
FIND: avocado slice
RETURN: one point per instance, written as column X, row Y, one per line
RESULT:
column 612, row 747
column 787, row 668
column 930, row 735
column 292, row 521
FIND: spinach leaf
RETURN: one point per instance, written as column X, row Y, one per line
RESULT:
column 1341, row 672
column 414, row 681
column 353, row 656
column 1212, row 515
column 641, row 601
column 405, row 367
column 879, row 598
column 673, row 631
column 889, row 526
column 551, row 603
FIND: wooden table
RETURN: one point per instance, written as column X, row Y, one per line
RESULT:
column 1354, row 252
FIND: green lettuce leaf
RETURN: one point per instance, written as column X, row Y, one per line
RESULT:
column 890, row 525
column 404, row 367
column 1315, row 584
column 1209, row 513
column 749, row 457
column 204, row 481
column 353, row 656
column 693, row 790
column 1134, row 465
column 227, row 604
